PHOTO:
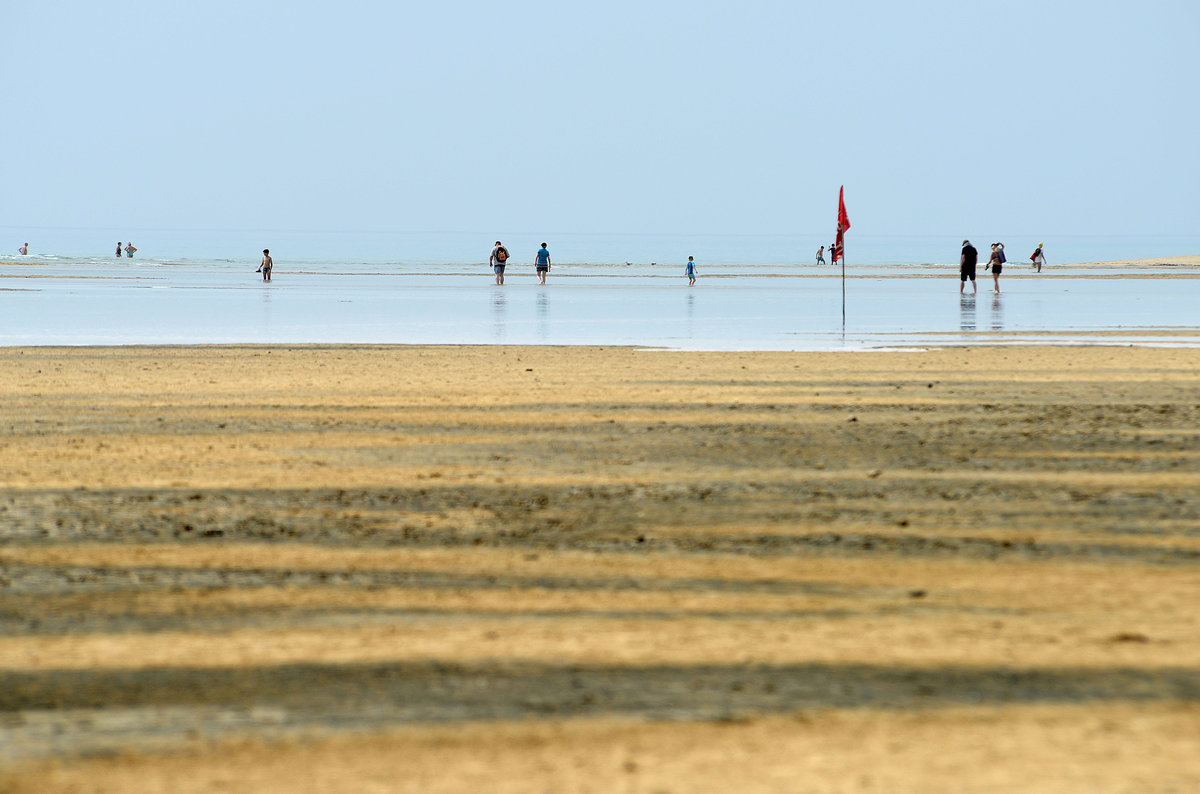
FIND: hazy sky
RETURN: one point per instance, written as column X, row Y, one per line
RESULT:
column 639, row 117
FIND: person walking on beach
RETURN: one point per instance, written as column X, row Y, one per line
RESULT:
column 24, row 249
column 691, row 272
column 130, row 250
column 1038, row 258
column 267, row 264
column 118, row 249
column 966, row 267
column 821, row 255
column 996, row 264
column 542, row 263
column 496, row 260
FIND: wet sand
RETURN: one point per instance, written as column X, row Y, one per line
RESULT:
column 518, row 569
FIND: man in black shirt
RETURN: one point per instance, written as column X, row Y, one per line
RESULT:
column 966, row 266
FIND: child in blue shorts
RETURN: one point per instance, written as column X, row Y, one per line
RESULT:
column 691, row 272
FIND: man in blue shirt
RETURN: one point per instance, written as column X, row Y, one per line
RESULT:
column 542, row 263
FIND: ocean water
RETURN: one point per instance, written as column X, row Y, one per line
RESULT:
column 753, row 293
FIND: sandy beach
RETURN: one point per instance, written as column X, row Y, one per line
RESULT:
column 599, row 569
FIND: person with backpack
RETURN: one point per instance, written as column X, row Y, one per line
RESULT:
column 1038, row 258
column 996, row 263
column 497, row 260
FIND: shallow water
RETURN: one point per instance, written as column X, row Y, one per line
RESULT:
column 47, row 302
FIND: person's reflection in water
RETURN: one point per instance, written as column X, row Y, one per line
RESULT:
column 967, row 312
column 266, row 313
column 997, row 313
column 690, row 314
column 499, row 310
column 543, row 316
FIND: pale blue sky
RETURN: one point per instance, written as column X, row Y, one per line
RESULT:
column 654, row 116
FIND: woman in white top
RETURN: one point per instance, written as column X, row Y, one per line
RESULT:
column 1038, row 258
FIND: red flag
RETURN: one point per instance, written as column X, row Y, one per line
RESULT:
column 843, row 225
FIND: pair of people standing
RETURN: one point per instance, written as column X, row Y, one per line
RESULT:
column 129, row 250
column 499, row 260
column 821, row 254
column 970, row 257
column 995, row 264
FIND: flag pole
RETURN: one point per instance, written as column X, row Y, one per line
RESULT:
column 839, row 245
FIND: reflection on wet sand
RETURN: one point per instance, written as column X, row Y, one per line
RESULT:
column 543, row 316
column 966, row 313
column 748, row 309
column 499, row 314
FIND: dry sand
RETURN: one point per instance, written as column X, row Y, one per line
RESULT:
column 599, row 570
